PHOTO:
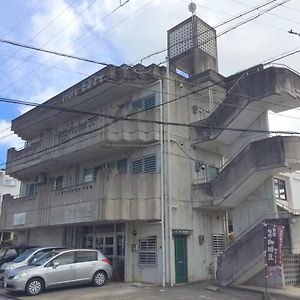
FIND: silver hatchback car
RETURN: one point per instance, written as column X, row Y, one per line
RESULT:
column 26, row 258
column 58, row 268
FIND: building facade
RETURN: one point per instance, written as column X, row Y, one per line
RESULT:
column 152, row 165
column 11, row 186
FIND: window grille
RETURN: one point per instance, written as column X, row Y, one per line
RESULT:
column 136, row 105
column 149, row 102
column 149, row 164
column 218, row 243
column 147, row 251
column 137, row 166
column 144, row 103
column 145, row 165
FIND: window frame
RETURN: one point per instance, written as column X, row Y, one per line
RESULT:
column 277, row 187
column 60, row 186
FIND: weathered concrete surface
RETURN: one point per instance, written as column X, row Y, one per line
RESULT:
column 259, row 85
column 245, row 258
column 241, row 175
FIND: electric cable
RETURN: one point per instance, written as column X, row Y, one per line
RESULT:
column 68, row 55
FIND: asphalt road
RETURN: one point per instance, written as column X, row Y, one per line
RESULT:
column 113, row 291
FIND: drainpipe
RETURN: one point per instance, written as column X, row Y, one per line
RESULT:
column 162, row 194
column 171, row 259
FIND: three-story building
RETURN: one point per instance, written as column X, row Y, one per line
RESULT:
column 152, row 165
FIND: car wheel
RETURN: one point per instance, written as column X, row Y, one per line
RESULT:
column 34, row 286
column 99, row 278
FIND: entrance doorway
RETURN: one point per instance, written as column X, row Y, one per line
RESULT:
column 180, row 259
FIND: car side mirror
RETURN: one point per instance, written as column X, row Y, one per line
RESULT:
column 55, row 264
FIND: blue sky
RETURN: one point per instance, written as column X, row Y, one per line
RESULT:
column 87, row 28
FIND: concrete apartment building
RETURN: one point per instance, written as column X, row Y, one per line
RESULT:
column 8, row 185
column 110, row 169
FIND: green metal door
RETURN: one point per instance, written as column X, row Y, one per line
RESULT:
column 180, row 259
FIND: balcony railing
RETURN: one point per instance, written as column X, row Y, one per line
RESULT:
column 78, row 139
column 110, row 197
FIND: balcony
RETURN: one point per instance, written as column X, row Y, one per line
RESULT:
column 19, row 212
column 248, row 170
column 89, row 140
column 276, row 89
column 111, row 197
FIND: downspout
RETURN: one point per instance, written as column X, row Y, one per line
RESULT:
column 171, row 259
column 162, row 194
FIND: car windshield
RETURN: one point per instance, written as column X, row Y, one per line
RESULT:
column 44, row 258
column 25, row 255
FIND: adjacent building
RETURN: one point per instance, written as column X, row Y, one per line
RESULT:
column 8, row 185
column 156, row 166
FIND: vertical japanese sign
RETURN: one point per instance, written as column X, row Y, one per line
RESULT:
column 273, row 249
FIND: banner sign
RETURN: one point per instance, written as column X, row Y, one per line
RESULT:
column 273, row 248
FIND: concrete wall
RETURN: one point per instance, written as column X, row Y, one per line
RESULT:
column 202, row 263
column 40, row 236
column 260, row 123
column 257, row 206
column 133, row 271
column 295, row 236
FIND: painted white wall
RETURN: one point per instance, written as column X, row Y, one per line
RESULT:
column 8, row 185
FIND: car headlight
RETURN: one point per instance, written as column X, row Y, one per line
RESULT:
column 9, row 267
column 20, row 275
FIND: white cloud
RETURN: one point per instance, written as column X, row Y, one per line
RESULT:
column 7, row 138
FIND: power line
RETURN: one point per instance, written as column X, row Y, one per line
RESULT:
column 194, row 92
column 14, row 43
column 221, row 24
column 231, row 15
column 272, row 14
column 101, row 20
column 37, row 34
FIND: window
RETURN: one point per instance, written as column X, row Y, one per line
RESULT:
column 144, row 103
column 218, row 243
column 147, row 251
column 280, row 190
column 58, row 183
column 145, row 165
column 122, row 166
column 64, row 259
column 137, row 166
column 89, row 174
column 84, row 256
column 31, row 188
